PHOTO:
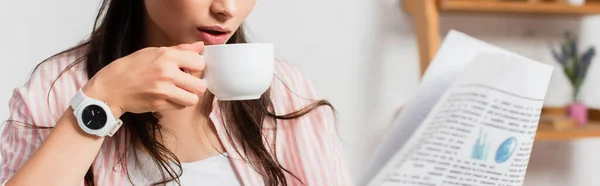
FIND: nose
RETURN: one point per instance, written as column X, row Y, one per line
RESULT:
column 224, row 9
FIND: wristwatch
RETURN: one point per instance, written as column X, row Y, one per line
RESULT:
column 94, row 116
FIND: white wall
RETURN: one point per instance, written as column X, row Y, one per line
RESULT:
column 360, row 53
column 32, row 31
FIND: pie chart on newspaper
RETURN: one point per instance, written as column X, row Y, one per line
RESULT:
column 506, row 150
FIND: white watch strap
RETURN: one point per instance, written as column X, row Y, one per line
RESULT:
column 116, row 127
column 77, row 99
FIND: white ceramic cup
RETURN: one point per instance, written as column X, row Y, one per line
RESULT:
column 239, row 71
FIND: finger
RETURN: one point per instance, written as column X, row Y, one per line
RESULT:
column 184, row 46
column 181, row 97
column 196, row 47
column 189, row 83
column 189, row 61
column 169, row 105
column 173, row 106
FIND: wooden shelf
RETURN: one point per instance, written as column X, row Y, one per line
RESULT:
column 426, row 16
column 525, row 7
column 546, row 132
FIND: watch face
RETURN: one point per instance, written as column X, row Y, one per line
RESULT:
column 94, row 117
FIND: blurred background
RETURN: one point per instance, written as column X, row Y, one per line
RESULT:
column 363, row 55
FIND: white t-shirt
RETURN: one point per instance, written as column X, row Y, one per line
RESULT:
column 216, row 170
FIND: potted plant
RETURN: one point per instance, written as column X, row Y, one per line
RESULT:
column 575, row 67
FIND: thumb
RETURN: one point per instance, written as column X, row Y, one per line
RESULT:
column 196, row 47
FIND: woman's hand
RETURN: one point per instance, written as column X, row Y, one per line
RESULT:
column 151, row 79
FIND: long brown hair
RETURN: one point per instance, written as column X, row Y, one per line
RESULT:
column 117, row 33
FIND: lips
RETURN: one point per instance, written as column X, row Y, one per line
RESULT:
column 214, row 35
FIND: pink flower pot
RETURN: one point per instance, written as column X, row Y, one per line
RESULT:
column 578, row 111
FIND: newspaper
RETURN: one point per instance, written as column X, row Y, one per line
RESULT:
column 473, row 122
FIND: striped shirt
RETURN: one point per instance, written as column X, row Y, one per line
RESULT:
column 308, row 146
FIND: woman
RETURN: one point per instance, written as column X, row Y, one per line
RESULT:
column 173, row 130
